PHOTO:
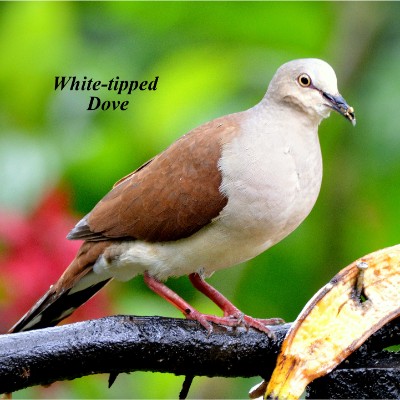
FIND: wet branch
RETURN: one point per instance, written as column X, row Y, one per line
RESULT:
column 125, row 344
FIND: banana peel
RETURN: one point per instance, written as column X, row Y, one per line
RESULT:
column 358, row 301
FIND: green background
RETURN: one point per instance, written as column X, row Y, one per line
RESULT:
column 211, row 59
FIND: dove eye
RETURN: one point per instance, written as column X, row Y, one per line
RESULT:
column 304, row 80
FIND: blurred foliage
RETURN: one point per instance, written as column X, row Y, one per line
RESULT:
column 32, row 262
column 211, row 59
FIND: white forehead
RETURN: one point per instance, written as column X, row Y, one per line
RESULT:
column 321, row 73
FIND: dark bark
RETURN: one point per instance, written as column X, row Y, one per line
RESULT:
column 124, row 344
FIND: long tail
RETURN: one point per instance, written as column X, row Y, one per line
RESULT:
column 76, row 286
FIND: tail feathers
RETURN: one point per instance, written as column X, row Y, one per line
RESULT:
column 76, row 286
column 53, row 307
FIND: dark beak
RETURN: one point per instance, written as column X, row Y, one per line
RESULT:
column 338, row 103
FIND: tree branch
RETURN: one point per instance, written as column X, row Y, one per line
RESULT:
column 124, row 344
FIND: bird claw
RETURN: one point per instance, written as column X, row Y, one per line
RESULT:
column 232, row 316
column 203, row 319
column 234, row 320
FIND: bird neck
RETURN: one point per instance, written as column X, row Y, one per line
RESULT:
column 290, row 105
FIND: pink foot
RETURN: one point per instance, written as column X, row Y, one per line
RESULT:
column 233, row 317
column 233, row 321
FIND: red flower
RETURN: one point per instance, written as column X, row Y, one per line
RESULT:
column 33, row 254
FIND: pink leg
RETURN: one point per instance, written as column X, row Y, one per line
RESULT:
column 231, row 313
column 232, row 316
column 186, row 309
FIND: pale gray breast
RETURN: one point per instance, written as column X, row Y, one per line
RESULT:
column 272, row 180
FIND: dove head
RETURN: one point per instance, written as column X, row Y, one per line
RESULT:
column 309, row 85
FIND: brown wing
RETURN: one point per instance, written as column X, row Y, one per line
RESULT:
column 170, row 197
